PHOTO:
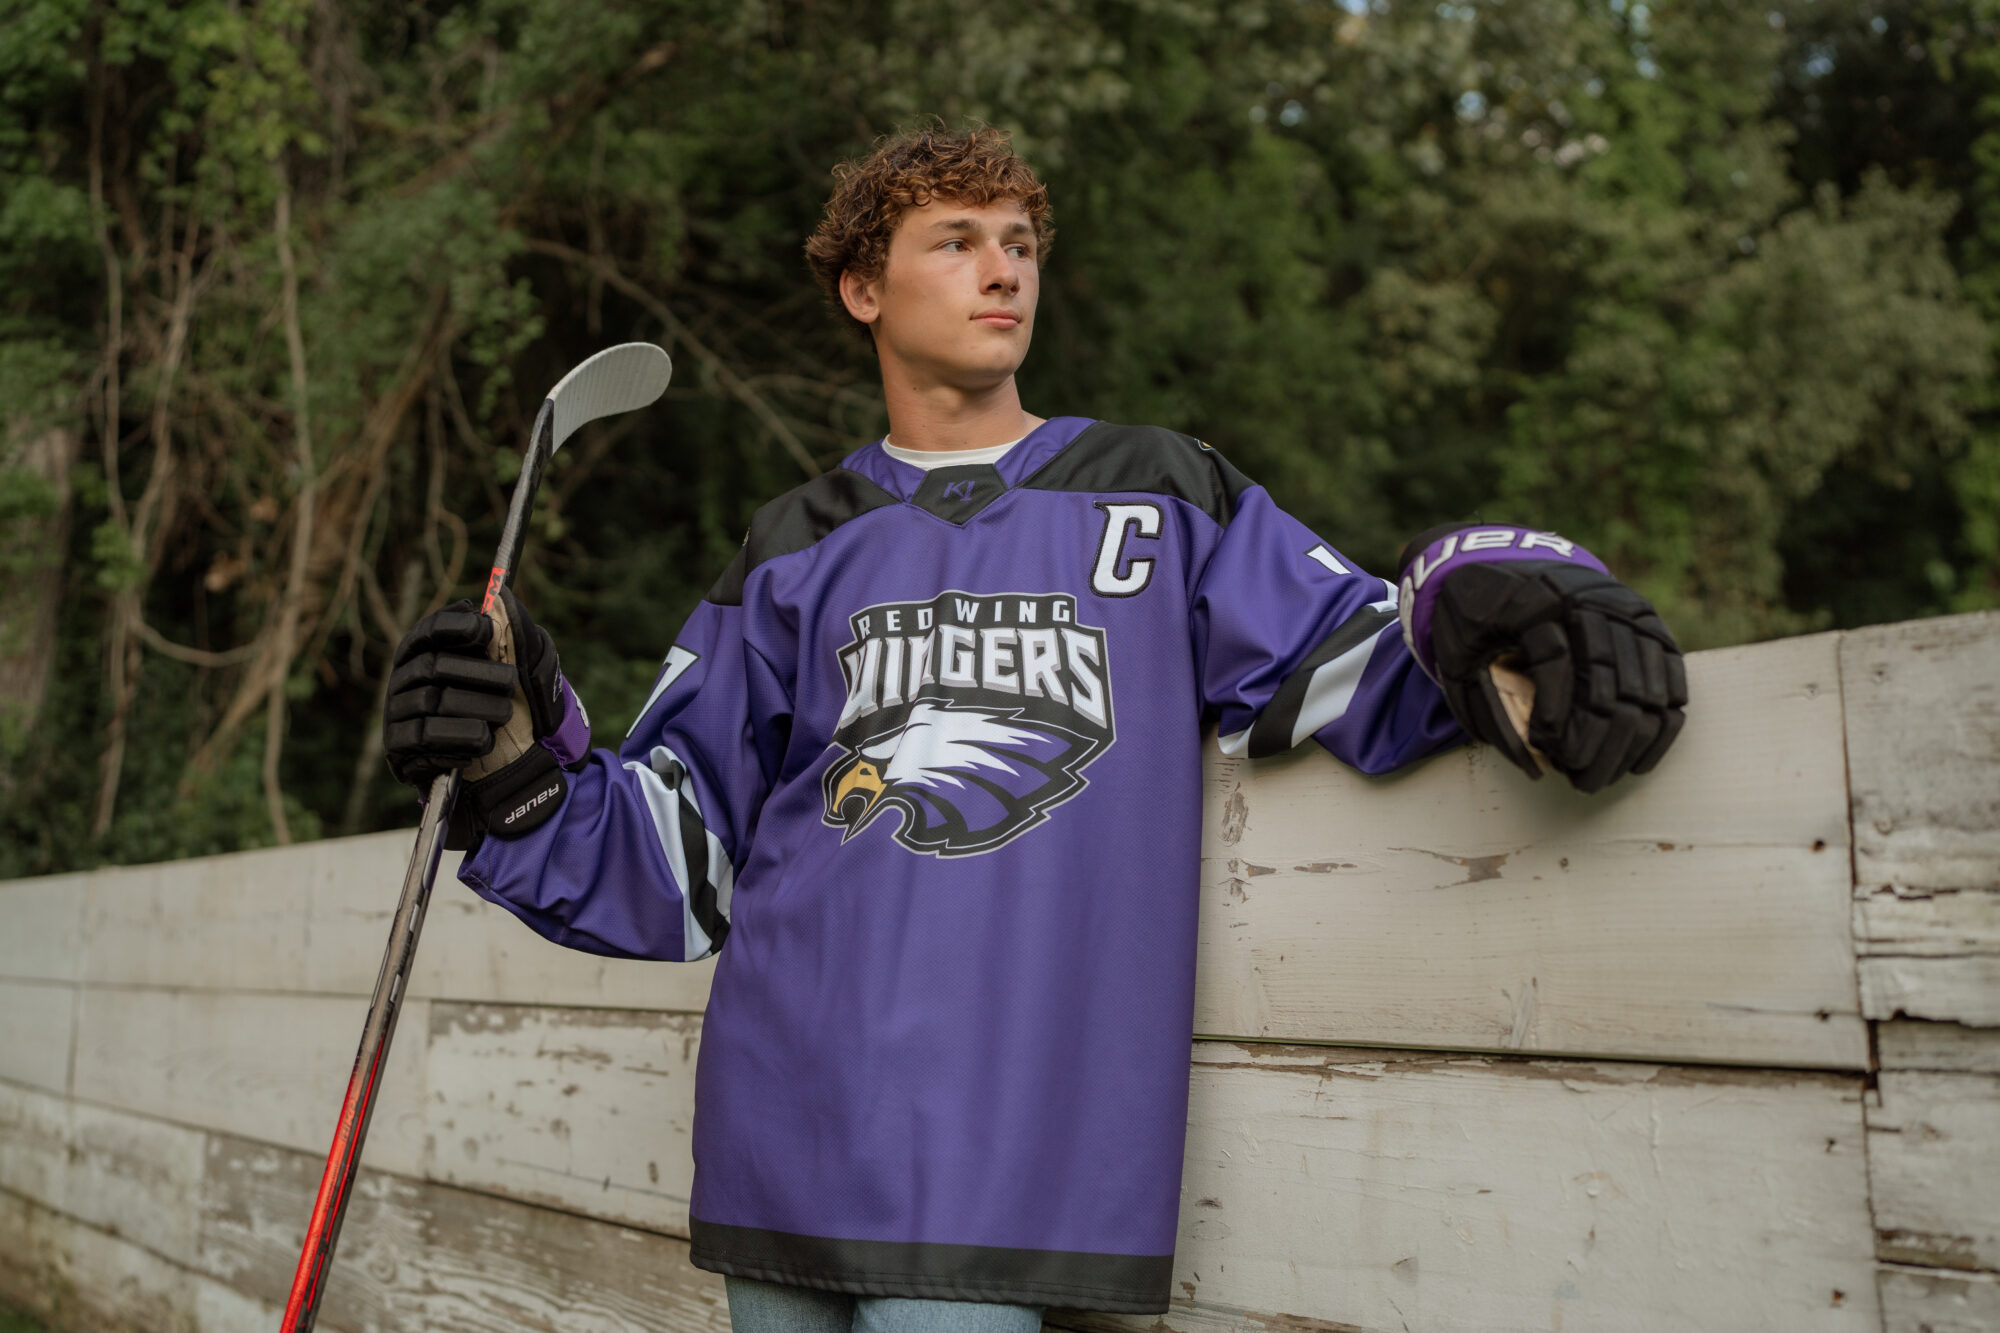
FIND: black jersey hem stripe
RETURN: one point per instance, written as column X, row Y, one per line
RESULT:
column 1271, row 733
column 1148, row 460
column 1124, row 1283
column 797, row 520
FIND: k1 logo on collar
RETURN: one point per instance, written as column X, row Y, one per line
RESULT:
column 970, row 716
column 955, row 494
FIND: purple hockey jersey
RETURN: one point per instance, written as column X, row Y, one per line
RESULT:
column 927, row 757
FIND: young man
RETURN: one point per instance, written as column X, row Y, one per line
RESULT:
column 927, row 757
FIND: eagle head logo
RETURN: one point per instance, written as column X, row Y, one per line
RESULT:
column 964, row 777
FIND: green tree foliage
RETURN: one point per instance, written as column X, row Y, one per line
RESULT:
column 1710, row 289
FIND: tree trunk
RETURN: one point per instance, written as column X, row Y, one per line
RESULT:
column 28, row 600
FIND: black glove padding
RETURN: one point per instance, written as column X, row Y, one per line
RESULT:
column 479, row 692
column 1609, row 680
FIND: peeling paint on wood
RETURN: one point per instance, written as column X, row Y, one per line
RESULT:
column 1921, row 1300
column 1934, row 1158
column 1702, row 912
column 585, row 1109
column 79, row 1278
column 1938, row 1046
column 1371, row 1188
column 1963, row 990
column 1923, row 744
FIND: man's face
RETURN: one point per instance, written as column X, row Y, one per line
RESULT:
column 955, row 301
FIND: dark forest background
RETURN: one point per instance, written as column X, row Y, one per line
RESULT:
column 1713, row 287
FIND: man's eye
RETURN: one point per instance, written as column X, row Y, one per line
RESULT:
column 954, row 245
column 1018, row 251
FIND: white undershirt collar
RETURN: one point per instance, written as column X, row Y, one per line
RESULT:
column 930, row 458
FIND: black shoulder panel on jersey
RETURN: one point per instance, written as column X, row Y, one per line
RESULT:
column 1147, row 459
column 796, row 520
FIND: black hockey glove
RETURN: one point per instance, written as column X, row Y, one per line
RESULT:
column 485, row 693
column 1609, row 681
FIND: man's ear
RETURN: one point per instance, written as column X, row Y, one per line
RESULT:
column 858, row 294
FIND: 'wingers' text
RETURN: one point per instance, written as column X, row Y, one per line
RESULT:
column 972, row 715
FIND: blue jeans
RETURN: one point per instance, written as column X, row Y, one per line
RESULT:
column 772, row 1307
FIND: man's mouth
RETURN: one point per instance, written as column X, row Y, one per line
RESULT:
column 998, row 319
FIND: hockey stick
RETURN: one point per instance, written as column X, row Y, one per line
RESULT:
column 618, row 379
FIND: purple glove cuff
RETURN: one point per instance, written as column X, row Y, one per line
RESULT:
column 1424, row 576
column 570, row 741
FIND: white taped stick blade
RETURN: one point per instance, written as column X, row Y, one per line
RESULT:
column 618, row 379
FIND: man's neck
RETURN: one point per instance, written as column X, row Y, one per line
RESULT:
column 942, row 418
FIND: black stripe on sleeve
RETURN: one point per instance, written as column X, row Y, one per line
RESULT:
column 796, row 520
column 1271, row 733
column 1148, row 460
column 700, row 888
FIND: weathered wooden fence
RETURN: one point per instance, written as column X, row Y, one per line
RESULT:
column 1718, row 1049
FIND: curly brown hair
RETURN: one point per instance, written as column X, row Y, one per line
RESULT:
column 974, row 167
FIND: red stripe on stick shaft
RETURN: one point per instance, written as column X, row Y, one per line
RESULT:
column 303, row 1303
column 494, row 582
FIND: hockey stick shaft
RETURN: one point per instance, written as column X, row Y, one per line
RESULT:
column 343, row 1159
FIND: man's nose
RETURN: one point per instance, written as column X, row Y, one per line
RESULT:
column 998, row 273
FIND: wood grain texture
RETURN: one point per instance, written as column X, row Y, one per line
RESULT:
column 1939, row 1046
column 1923, row 746
column 267, row 1067
column 1934, row 1160
column 1524, row 1193
column 1699, row 913
column 1963, row 990
column 36, row 1022
column 585, row 1109
column 315, row 918
column 1928, row 1300
column 1336, row 1187
column 1923, row 732
column 255, row 1202
column 127, row 1176
column 81, row 1280
column 445, row 1260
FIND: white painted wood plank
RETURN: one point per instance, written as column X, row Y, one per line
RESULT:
column 316, row 917
column 1325, row 1188
column 586, row 1109
column 267, row 1067
column 1929, row 1300
column 1938, row 1046
column 255, row 1202
column 483, row 953
column 77, row 1277
column 220, row 1309
column 1962, row 990
column 449, row 1261
column 35, row 1021
column 1335, row 1188
column 1934, row 1156
column 34, row 1144
column 496, row 1267
column 1923, row 743
column 44, row 927
column 217, row 922
column 128, row 1176
column 1929, row 923
column 1701, row 912
column 470, row 950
